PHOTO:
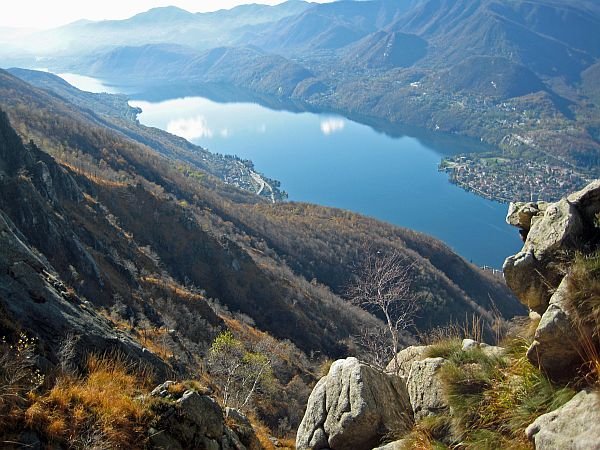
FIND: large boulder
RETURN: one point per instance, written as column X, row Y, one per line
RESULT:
column 555, row 348
column 425, row 388
column 521, row 272
column 400, row 365
column 353, row 408
column 574, row 426
column 190, row 421
column 559, row 228
column 533, row 273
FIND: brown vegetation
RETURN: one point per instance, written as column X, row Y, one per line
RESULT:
column 173, row 258
column 97, row 409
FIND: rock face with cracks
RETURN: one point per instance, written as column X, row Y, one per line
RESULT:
column 555, row 347
column 425, row 388
column 353, row 408
column 537, row 273
column 574, row 426
column 532, row 273
column 521, row 214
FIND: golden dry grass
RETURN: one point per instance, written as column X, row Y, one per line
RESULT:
column 100, row 406
column 262, row 433
column 173, row 288
column 584, row 305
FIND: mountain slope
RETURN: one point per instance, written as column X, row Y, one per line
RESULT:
column 33, row 297
column 114, row 113
column 492, row 76
column 133, row 191
column 550, row 38
column 387, row 50
column 328, row 26
column 144, row 215
column 155, row 65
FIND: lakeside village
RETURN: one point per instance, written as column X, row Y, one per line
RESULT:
column 505, row 180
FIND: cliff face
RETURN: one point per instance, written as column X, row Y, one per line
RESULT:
column 33, row 296
column 541, row 274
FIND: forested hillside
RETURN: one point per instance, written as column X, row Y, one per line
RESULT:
column 254, row 257
column 131, row 246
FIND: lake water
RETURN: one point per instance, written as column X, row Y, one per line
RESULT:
column 332, row 161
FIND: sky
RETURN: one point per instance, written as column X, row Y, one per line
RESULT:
column 53, row 13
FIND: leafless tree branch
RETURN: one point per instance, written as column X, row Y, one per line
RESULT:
column 382, row 285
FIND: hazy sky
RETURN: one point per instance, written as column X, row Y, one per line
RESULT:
column 51, row 13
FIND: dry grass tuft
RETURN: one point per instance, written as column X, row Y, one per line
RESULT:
column 18, row 378
column 584, row 305
column 262, row 433
column 100, row 407
column 494, row 399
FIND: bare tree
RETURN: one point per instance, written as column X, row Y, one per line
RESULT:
column 382, row 286
column 374, row 346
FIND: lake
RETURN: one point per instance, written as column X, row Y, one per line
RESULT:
column 333, row 161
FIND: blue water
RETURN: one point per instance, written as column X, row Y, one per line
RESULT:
column 333, row 161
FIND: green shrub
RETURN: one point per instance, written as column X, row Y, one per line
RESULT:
column 493, row 399
column 443, row 349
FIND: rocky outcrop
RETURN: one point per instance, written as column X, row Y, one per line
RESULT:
column 537, row 273
column 521, row 214
column 425, row 388
column 32, row 291
column 532, row 273
column 555, row 348
column 574, row 426
column 190, row 421
column 588, row 203
column 353, row 408
column 402, row 363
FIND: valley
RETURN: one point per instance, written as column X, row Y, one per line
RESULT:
column 328, row 160
column 332, row 161
column 281, row 226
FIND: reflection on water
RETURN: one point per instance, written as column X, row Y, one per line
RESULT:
column 327, row 159
column 88, row 84
column 333, row 161
column 332, row 125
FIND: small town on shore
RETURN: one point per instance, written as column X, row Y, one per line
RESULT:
column 507, row 180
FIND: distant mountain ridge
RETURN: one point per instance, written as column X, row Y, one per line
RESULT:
column 517, row 76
